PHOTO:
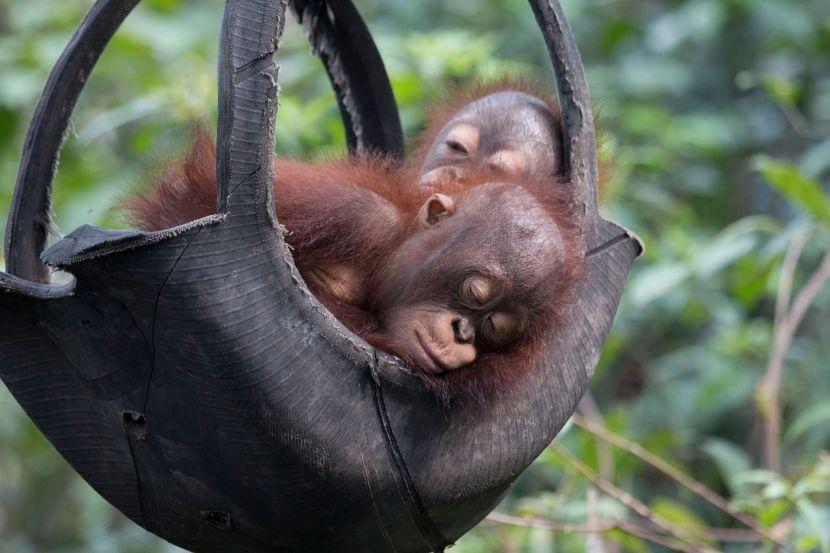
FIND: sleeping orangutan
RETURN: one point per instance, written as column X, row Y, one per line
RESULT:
column 506, row 128
column 459, row 267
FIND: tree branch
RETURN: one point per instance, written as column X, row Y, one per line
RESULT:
column 786, row 327
column 605, row 526
column 788, row 267
column 633, row 503
column 675, row 474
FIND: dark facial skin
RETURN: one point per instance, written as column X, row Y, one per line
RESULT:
column 512, row 133
column 471, row 279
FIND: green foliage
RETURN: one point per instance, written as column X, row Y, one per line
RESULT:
column 804, row 192
column 716, row 114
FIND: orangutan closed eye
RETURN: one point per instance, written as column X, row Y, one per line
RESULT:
column 462, row 283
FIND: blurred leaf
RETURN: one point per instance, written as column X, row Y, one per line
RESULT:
column 721, row 252
column 108, row 121
column 730, row 460
column 629, row 543
column 817, row 519
column 816, row 482
column 812, row 417
column 8, row 121
column 656, row 281
column 674, row 511
column 761, row 478
column 802, row 191
column 782, row 90
column 772, row 512
column 816, row 161
column 777, row 489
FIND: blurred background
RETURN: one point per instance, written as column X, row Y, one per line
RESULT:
column 716, row 121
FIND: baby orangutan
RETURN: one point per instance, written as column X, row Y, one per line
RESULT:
column 506, row 128
column 461, row 277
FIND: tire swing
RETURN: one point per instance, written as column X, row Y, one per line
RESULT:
column 191, row 378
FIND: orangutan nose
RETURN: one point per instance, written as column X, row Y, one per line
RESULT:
column 463, row 331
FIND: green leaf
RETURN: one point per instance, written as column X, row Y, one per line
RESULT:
column 817, row 519
column 730, row 459
column 758, row 477
column 777, row 489
column 680, row 514
column 806, row 193
column 657, row 281
column 771, row 512
column 629, row 543
column 814, row 416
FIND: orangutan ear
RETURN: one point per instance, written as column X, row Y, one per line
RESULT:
column 436, row 208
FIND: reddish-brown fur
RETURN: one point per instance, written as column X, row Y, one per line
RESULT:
column 329, row 209
column 331, row 213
